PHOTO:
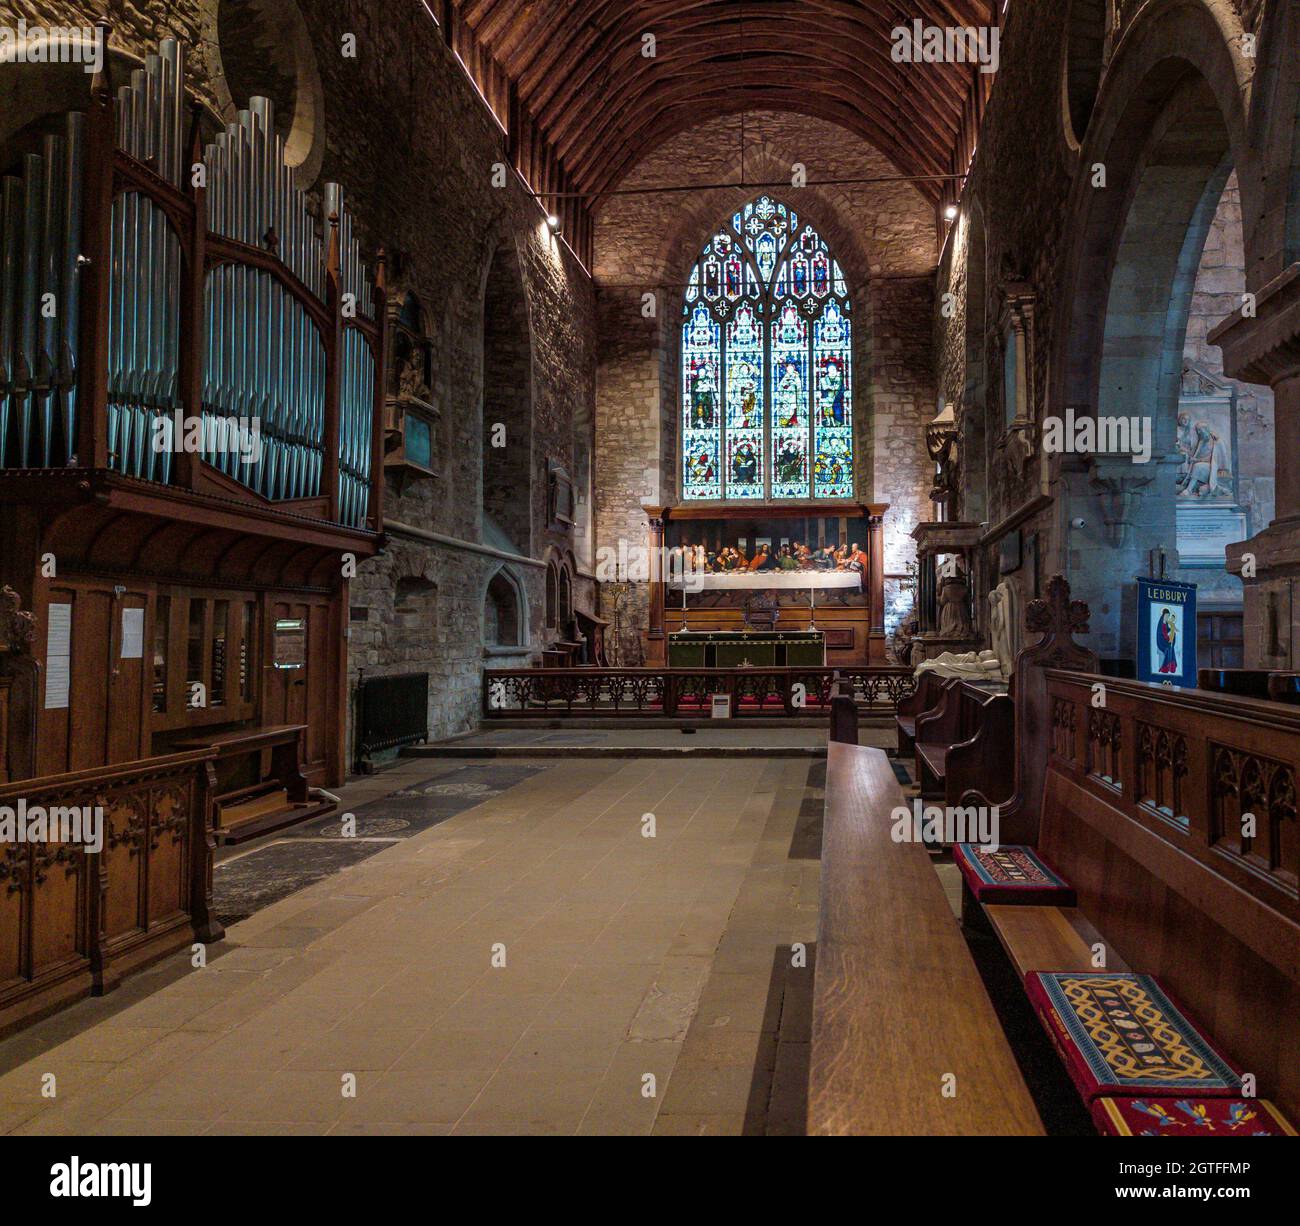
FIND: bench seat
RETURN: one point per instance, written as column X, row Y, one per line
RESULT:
column 893, row 974
column 935, row 757
column 1011, row 875
column 1189, row 1117
column 1049, row 938
column 1119, row 1034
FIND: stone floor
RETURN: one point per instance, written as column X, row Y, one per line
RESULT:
column 755, row 739
column 529, row 964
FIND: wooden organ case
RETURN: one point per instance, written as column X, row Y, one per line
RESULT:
column 190, row 448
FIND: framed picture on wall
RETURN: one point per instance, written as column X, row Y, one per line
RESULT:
column 559, row 495
column 1010, row 553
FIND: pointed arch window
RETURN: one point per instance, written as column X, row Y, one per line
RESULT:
column 767, row 404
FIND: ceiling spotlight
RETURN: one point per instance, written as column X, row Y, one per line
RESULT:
column 553, row 222
column 951, row 212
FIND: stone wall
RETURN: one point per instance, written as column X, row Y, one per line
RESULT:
column 882, row 233
column 415, row 145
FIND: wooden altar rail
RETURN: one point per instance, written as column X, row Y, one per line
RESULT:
column 74, row 921
column 687, row 692
column 1142, row 812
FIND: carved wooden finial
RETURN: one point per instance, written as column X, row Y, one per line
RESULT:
column 99, row 83
column 1058, row 615
column 17, row 627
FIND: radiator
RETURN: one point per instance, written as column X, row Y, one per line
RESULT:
column 391, row 711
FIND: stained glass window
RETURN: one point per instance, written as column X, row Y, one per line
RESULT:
column 767, row 405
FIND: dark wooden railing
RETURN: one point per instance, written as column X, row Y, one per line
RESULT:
column 687, row 692
column 73, row 921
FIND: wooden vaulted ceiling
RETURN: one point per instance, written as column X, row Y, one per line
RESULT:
column 578, row 69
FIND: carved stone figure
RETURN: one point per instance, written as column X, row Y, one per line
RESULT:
column 978, row 665
column 1005, row 625
column 954, row 620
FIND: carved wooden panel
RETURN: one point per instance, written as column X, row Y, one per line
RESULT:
column 1064, row 725
column 70, row 914
column 1253, row 811
column 1105, row 741
column 1161, row 770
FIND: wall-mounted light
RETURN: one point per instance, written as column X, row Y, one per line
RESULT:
column 951, row 212
column 553, row 222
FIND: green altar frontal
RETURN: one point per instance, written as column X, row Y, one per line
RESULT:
column 741, row 649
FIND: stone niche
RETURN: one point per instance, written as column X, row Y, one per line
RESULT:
column 945, row 600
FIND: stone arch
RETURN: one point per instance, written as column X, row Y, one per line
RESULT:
column 1167, row 132
column 505, row 612
column 507, row 356
column 264, row 47
column 552, row 619
column 408, row 637
column 1275, row 133
column 1087, row 24
column 565, row 605
column 1177, row 55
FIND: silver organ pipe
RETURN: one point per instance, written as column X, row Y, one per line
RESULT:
column 40, row 226
column 145, row 288
column 264, row 359
column 356, row 370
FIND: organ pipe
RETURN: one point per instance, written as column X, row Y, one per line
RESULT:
column 266, row 345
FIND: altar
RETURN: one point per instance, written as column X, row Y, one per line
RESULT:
column 747, row 649
column 806, row 568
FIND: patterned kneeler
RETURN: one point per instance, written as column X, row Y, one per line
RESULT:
column 1189, row 1117
column 1010, row 875
column 1119, row 1034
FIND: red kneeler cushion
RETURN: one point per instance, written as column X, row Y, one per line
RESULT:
column 1119, row 1034
column 1189, row 1117
column 1011, row 874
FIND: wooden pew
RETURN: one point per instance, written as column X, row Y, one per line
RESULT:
column 1251, row 683
column 936, row 730
column 924, row 698
column 1142, row 814
column 985, row 761
column 897, row 1001
column 1057, row 619
column 967, row 743
column 844, row 720
column 259, row 784
column 1248, row 682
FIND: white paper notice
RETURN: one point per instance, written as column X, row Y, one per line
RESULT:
column 132, row 634
column 58, row 656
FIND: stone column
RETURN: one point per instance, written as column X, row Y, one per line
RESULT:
column 656, row 647
column 1264, row 347
column 876, row 556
